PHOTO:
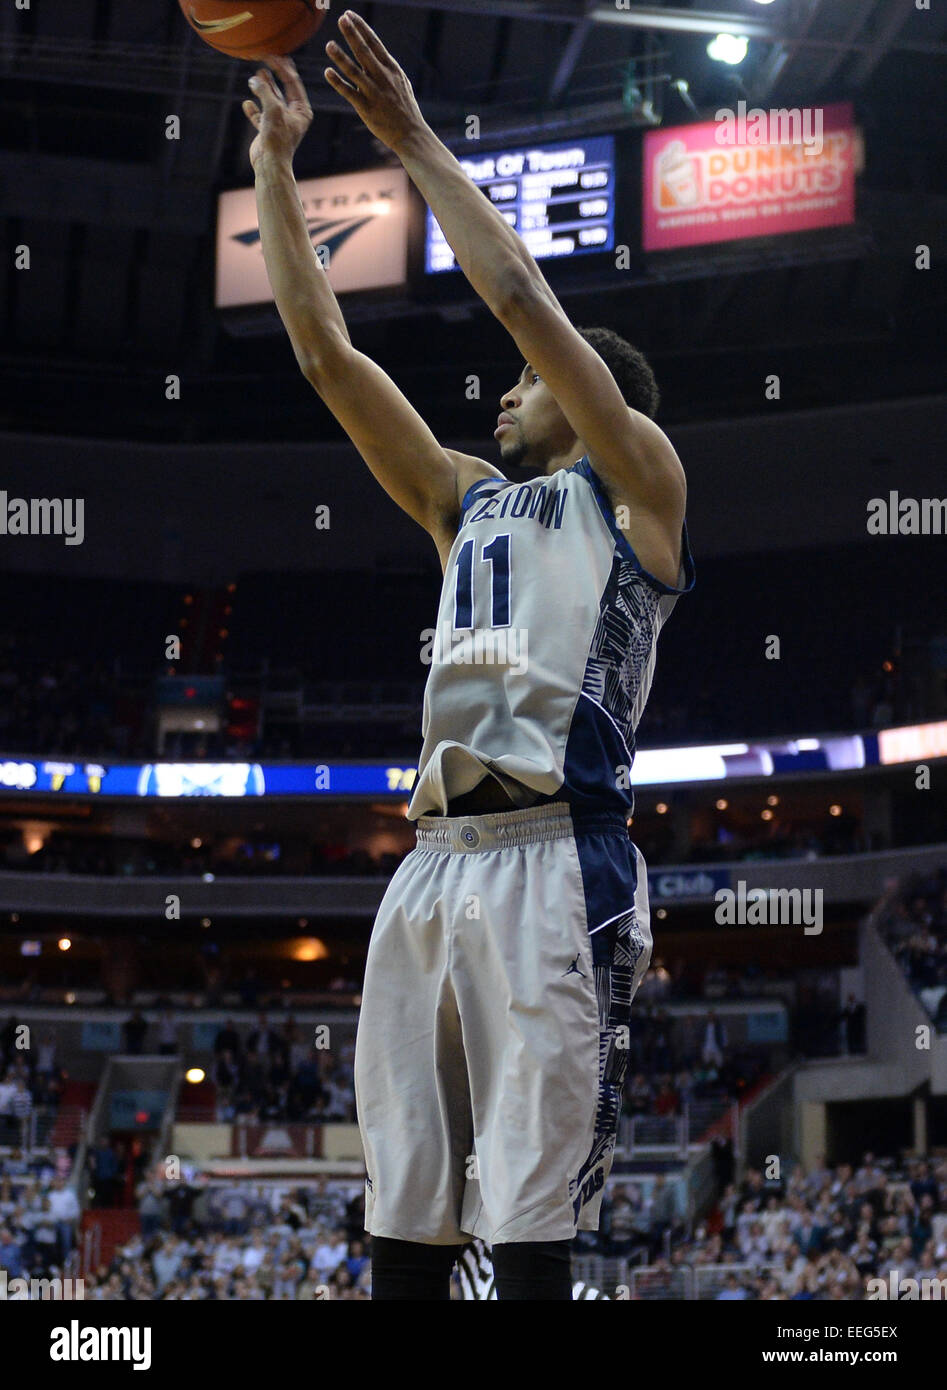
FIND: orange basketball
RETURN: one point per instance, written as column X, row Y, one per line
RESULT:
column 254, row 28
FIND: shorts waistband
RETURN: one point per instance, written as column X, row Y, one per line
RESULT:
column 555, row 820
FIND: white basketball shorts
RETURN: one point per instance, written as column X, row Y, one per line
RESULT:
column 492, row 1039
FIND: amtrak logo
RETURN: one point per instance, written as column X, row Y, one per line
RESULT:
column 330, row 232
column 356, row 223
column 217, row 26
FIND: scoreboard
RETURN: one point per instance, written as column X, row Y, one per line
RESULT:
column 560, row 198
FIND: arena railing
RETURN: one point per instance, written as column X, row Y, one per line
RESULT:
column 676, row 1134
column 686, row 1283
column 32, row 1132
column 859, row 878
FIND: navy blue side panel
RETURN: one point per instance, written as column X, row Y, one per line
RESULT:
column 595, row 754
column 608, row 864
column 601, row 743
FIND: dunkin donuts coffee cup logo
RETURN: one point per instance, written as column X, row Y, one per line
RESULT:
column 678, row 181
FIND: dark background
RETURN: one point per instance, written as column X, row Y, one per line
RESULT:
column 221, row 486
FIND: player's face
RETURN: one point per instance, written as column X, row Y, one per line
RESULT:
column 531, row 429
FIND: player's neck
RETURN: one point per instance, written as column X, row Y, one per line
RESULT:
column 565, row 459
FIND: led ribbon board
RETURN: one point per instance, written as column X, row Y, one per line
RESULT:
column 653, row 767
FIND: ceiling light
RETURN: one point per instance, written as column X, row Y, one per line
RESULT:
column 728, row 48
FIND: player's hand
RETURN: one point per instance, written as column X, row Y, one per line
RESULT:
column 372, row 82
column 280, row 120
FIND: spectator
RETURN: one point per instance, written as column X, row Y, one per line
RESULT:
column 11, row 1254
column 105, row 1173
column 227, row 1040
column 356, row 1260
column 151, row 1208
column 167, row 1034
column 8, row 1087
column 46, row 1056
column 266, row 1042
column 64, row 1209
column 624, row 1219
column 715, row 1041
column 853, row 1026
column 135, row 1030
column 167, row 1261
column 329, row 1255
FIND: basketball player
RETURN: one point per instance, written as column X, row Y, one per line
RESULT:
column 510, row 942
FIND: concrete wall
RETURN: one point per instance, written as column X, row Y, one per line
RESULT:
column 204, row 513
column 200, row 1143
column 895, row 1064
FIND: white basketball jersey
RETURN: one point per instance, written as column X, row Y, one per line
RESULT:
column 544, row 650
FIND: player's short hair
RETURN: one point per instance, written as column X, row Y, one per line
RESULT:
column 628, row 366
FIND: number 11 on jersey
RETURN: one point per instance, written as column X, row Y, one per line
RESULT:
column 496, row 554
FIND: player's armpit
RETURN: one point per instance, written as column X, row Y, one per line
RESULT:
column 470, row 469
column 390, row 435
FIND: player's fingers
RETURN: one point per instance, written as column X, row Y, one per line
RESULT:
column 265, row 89
column 349, row 69
column 252, row 113
column 339, row 84
column 289, row 76
column 363, row 40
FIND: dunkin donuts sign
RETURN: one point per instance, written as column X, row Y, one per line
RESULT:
column 749, row 173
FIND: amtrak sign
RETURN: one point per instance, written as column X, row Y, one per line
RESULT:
column 358, row 224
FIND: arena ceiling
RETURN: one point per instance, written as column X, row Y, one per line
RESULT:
column 120, row 220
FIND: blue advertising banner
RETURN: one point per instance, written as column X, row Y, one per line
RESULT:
column 702, row 883
column 204, row 1035
column 101, row 1037
column 769, row 1027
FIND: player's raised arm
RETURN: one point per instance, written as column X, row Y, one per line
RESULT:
column 628, row 450
column 425, row 479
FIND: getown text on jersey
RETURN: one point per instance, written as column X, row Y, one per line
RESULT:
column 542, row 505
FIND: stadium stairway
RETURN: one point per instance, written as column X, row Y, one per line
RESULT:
column 101, row 1230
column 74, row 1104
